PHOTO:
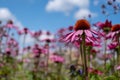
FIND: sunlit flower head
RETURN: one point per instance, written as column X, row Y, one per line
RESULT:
column 82, row 27
column 115, row 27
column 115, row 31
column 104, row 26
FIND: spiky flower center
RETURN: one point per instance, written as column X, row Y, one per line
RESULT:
column 115, row 27
column 82, row 25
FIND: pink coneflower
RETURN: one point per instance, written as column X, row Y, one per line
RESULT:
column 48, row 33
column 81, row 27
column 36, row 50
column 115, row 31
column 57, row 58
column 118, row 67
column 113, row 45
column 98, row 72
column 70, row 28
column 10, row 25
column 105, row 56
column 8, row 51
column 82, row 34
column 95, row 71
column 20, row 32
column 106, row 26
column 25, row 30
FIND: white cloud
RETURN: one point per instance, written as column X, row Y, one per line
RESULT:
column 83, row 13
column 44, row 36
column 66, row 5
column 5, row 15
column 118, row 0
column 28, row 39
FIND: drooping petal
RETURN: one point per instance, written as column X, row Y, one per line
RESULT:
column 79, row 32
column 99, row 24
column 88, row 33
column 69, row 36
column 75, row 35
column 96, row 33
column 112, row 34
column 90, row 40
column 118, row 67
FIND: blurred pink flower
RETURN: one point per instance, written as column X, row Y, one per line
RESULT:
column 105, row 56
column 113, row 45
column 115, row 31
column 11, row 25
column 118, row 67
column 106, row 25
column 57, row 58
column 26, row 60
column 98, row 72
column 70, row 28
column 95, row 71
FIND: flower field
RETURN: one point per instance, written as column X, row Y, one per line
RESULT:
column 83, row 51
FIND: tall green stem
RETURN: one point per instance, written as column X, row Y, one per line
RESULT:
column 84, row 56
column 105, row 53
column 118, row 55
column 70, row 56
column 81, row 55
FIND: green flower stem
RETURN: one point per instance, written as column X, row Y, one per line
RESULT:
column 81, row 55
column 89, row 52
column 118, row 51
column 84, row 56
column 105, row 54
column 113, row 62
column 47, row 67
column 70, row 56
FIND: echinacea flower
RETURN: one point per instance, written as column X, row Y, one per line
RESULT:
column 10, row 25
column 70, row 28
column 57, row 58
column 105, row 56
column 81, row 27
column 118, row 67
column 95, row 71
column 113, row 45
column 105, row 27
column 115, row 32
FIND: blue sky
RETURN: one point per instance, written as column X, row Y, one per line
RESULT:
column 51, row 14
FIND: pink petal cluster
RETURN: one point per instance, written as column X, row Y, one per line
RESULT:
column 95, row 71
column 106, row 24
column 57, row 58
column 118, row 67
column 113, row 45
column 76, row 36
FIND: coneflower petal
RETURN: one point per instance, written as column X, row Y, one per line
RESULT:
column 88, row 33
